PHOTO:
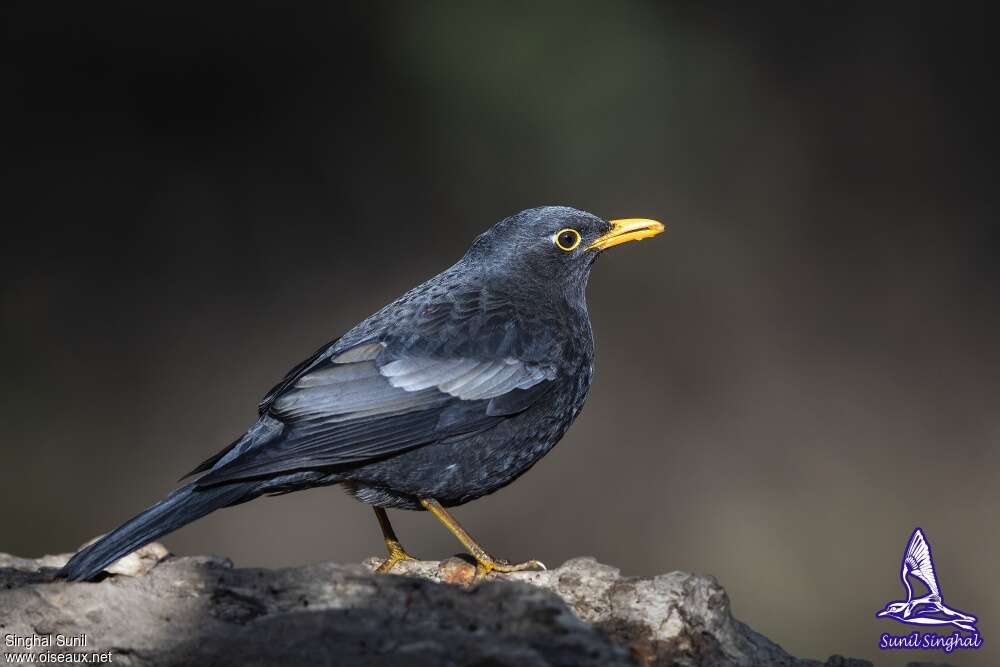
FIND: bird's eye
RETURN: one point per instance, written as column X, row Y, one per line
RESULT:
column 567, row 239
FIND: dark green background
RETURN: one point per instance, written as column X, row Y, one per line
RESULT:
column 801, row 370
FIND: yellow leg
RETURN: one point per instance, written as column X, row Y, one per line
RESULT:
column 485, row 563
column 396, row 551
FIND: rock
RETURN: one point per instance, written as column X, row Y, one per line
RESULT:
column 203, row 611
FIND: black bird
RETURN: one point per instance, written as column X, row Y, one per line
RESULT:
column 445, row 395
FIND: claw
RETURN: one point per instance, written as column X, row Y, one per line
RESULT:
column 397, row 554
column 486, row 564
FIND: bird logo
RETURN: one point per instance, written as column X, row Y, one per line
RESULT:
column 929, row 609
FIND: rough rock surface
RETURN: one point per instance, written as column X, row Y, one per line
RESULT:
column 203, row 611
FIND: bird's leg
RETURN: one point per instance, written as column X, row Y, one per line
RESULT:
column 485, row 563
column 396, row 551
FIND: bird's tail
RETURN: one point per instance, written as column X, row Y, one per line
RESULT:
column 178, row 509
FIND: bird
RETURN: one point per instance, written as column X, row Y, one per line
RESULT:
column 927, row 609
column 445, row 395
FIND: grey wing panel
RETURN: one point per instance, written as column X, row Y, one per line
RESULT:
column 349, row 409
column 467, row 379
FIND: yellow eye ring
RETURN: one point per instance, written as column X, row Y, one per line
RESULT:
column 567, row 239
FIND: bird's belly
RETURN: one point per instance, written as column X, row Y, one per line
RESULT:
column 456, row 471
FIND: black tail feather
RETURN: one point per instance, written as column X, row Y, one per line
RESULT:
column 178, row 509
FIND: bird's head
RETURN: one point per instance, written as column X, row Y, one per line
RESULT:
column 893, row 609
column 554, row 244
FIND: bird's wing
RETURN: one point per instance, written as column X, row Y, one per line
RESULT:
column 353, row 405
column 317, row 358
column 918, row 560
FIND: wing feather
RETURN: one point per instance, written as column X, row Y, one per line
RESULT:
column 416, row 374
column 455, row 386
column 353, row 407
column 484, row 374
column 467, row 379
column 365, row 352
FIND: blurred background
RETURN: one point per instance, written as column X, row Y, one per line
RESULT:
column 801, row 370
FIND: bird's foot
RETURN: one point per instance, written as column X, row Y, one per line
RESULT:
column 397, row 554
column 486, row 564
